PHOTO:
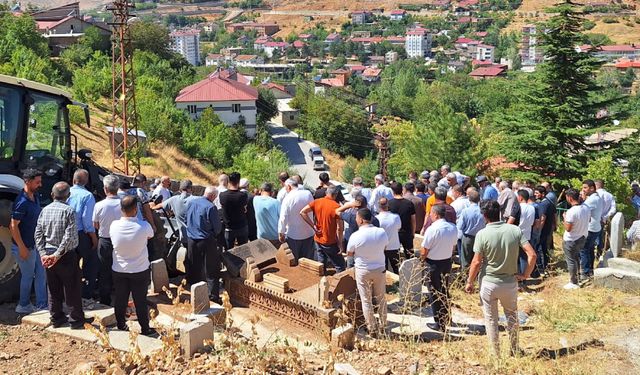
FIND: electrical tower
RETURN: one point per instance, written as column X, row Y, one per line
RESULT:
column 125, row 147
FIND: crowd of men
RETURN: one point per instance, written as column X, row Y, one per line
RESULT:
column 500, row 234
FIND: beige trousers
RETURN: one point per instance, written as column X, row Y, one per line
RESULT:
column 507, row 294
column 372, row 283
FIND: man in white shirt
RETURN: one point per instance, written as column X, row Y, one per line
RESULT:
column 439, row 240
column 608, row 210
column 460, row 201
column 594, row 202
column 380, row 191
column 130, row 267
column 106, row 212
column 291, row 227
column 391, row 224
column 367, row 246
column 223, row 185
column 282, row 177
column 358, row 188
column 576, row 225
column 163, row 188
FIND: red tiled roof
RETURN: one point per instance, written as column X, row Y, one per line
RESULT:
column 43, row 25
column 481, row 34
column 491, row 71
column 485, row 46
column 357, row 68
column 618, row 48
column 396, row 39
column 185, row 33
column 333, row 82
column 373, row 39
column 245, row 57
column 372, row 72
column 298, row 44
column 215, row 88
column 418, row 31
column 625, row 64
column 276, row 44
column 214, row 56
column 398, row 12
column 463, row 40
column 276, row 86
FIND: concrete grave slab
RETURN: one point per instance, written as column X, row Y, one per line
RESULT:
column 102, row 313
column 617, row 279
column 79, row 334
column 40, row 318
column 119, row 340
column 624, row 264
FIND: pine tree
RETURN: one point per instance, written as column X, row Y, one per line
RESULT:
column 544, row 133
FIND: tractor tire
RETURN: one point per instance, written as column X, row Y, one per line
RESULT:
column 9, row 271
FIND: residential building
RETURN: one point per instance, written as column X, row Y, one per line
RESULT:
column 280, row 91
column 488, row 72
column 63, row 26
column 287, row 116
column 187, row 43
column 391, row 57
column 396, row 40
column 611, row 53
column 247, row 60
column 398, row 15
column 228, row 94
column 214, row 59
column 306, row 37
column 484, row 52
column 260, row 28
column 530, row 54
column 360, row 17
column 418, row 43
column 271, row 47
column 371, row 75
column 332, row 38
column 356, row 70
column 375, row 61
column 259, row 43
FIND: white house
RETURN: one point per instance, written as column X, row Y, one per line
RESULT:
column 228, row 94
column 270, row 47
column 187, row 43
column 214, row 59
column 398, row 15
column 418, row 43
column 484, row 52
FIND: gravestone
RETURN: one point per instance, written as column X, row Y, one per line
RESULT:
column 261, row 250
column 199, row 297
column 194, row 335
column 159, row 276
column 410, row 277
column 323, row 290
column 617, row 234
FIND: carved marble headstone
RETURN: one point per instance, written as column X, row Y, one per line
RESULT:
column 617, row 234
column 261, row 250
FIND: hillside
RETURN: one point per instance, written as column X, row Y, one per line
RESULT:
column 161, row 158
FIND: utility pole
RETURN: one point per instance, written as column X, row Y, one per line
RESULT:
column 124, row 115
column 381, row 141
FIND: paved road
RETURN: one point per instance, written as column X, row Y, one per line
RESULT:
column 297, row 152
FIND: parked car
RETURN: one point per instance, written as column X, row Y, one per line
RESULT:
column 318, row 163
column 315, row 151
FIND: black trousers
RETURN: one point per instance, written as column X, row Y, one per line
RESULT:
column 233, row 236
column 65, row 285
column 406, row 240
column 203, row 264
column 392, row 257
column 105, row 277
column 136, row 284
column 89, row 264
column 437, row 275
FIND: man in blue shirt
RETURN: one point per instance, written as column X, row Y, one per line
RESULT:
column 267, row 211
column 487, row 191
column 203, row 225
column 83, row 203
column 24, row 218
column 469, row 223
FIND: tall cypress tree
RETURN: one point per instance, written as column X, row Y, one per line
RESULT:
column 544, row 133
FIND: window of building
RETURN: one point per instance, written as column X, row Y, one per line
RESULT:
column 192, row 108
column 235, row 108
column 292, row 117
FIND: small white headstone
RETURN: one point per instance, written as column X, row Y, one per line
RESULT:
column 617, row 234
column 410, row 275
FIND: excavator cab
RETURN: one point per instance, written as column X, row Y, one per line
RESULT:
column 35, row 133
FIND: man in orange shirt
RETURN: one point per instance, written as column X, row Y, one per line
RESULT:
column 328, row 228
column 432, row 198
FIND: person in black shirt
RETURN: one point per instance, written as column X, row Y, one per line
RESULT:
column 407, row 212
column 321, row 190
column 548, row 224
column 251, row 213
column 234, row 213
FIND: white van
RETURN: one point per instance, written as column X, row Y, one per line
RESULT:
column 318, row 163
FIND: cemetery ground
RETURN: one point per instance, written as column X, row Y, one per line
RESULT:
column 586, row 331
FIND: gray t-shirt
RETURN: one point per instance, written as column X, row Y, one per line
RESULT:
column 178, row 205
